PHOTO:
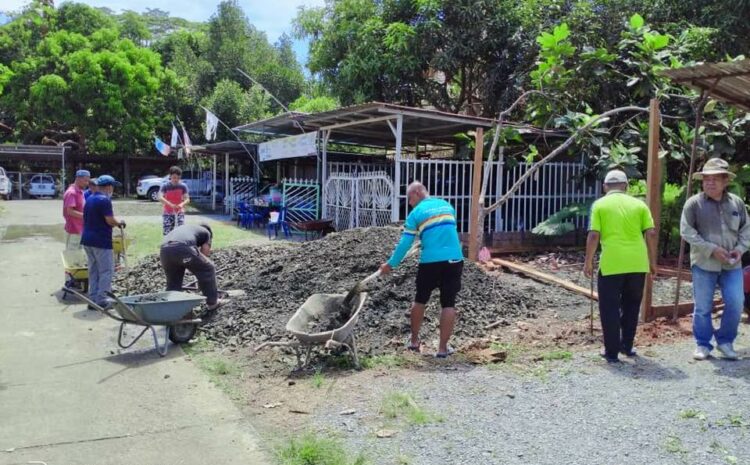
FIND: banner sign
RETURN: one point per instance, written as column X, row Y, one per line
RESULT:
column 288, row 147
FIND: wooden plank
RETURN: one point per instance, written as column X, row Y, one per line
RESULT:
column 653, row 194
column 685, row 308
column 672, row 273
column 547, row 278
column 476, row 188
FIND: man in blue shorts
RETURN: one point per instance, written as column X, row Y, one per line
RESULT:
column 440, row 265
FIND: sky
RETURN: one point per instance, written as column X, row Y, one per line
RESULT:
column 274, row 17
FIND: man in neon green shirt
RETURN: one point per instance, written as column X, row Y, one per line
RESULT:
column 620, row 223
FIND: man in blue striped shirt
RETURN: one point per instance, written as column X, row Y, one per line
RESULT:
column 440, row 264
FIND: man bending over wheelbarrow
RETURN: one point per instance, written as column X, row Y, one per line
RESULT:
column 187, row 248
column 440, row 264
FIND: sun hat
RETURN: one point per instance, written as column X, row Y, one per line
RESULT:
column 714, row 166
column 107, row 180
column 83, row 174
column 616, row 177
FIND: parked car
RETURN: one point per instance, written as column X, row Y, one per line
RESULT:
column 148, row 188
column 42, row 185
column 6, row 187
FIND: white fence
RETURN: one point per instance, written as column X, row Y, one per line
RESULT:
column 553, row 187
column 358, row 200
column 450, row 180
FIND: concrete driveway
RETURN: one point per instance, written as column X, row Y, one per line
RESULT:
column 68, row 396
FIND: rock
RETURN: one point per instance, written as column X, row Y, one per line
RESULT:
column 386, row 433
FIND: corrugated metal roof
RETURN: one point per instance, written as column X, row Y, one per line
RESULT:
column 425, row 125
column 727, row 82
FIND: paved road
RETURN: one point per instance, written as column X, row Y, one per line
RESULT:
column 68, row 397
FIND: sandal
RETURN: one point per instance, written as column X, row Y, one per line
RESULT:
column 414, row 348
column 219, row 303
column 451, row 351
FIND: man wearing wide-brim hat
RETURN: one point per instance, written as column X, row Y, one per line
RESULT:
column 715, row 224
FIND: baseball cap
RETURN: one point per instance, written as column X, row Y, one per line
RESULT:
column 616, row 177
column 83, row 173
column 107, row 180
column 92, row 181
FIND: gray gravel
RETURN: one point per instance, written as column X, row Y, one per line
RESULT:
column 662, row 408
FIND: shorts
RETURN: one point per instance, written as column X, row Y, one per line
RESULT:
column 444, row 275
column 170, row 221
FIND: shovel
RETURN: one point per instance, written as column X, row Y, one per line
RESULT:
column 360, row 285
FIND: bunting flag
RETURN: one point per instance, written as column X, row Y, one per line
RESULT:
column 175, row 137
column 212, row 123
column 163, row 148
column 186, row 142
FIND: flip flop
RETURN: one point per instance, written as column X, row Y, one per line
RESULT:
column 451, row 351
column 417, row 348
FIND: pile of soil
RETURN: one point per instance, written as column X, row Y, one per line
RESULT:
column 277, row 278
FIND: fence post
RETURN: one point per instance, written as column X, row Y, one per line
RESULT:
column 653, row 195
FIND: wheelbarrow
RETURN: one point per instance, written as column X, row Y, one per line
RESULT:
column 316, row 308
column 76, row 271
column 172, row 309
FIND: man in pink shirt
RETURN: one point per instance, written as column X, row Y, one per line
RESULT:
column 73, row 202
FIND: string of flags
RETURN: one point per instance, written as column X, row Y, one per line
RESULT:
column 212, row 124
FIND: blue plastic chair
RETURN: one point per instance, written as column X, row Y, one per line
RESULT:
column 281, row 222
column 245, row 215
column 258, row 216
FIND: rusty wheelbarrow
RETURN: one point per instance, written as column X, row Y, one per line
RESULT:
column 316, row 308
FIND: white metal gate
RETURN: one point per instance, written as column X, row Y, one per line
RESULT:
column 358, row 200
column 241, row 189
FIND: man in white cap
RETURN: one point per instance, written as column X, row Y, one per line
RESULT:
column 715, row 224
column 73, row 201
column 624, row 227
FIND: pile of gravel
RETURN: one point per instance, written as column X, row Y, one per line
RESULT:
column 279, row 277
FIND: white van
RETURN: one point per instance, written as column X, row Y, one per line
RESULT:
column 6, row 187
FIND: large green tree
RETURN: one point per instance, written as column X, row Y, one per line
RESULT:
column 91, row 86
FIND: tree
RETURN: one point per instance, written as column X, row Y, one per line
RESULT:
column 234, row 105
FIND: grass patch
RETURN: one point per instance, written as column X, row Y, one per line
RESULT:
column 557, row 355
column 674, row 445
column 389, row 361
column 318, row 379
column 402, row 405
column 148, row 236
column 316, row 450
column 198, row 346
column 689, row 414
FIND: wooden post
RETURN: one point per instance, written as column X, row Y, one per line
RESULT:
column 653, row 195
column 476, row 190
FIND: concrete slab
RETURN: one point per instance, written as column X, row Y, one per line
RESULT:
column 69, row 396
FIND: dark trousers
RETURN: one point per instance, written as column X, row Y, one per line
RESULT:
column 619, row 304
column 176, row 258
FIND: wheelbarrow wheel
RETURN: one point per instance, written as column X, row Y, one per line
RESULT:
column 182, row 333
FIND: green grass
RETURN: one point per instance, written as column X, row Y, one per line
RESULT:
column 147, row 237
column 692, row 413
column 312, row 449
column 674, row 445
column 557, row 355
column 318, row 379
column 402, row 405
